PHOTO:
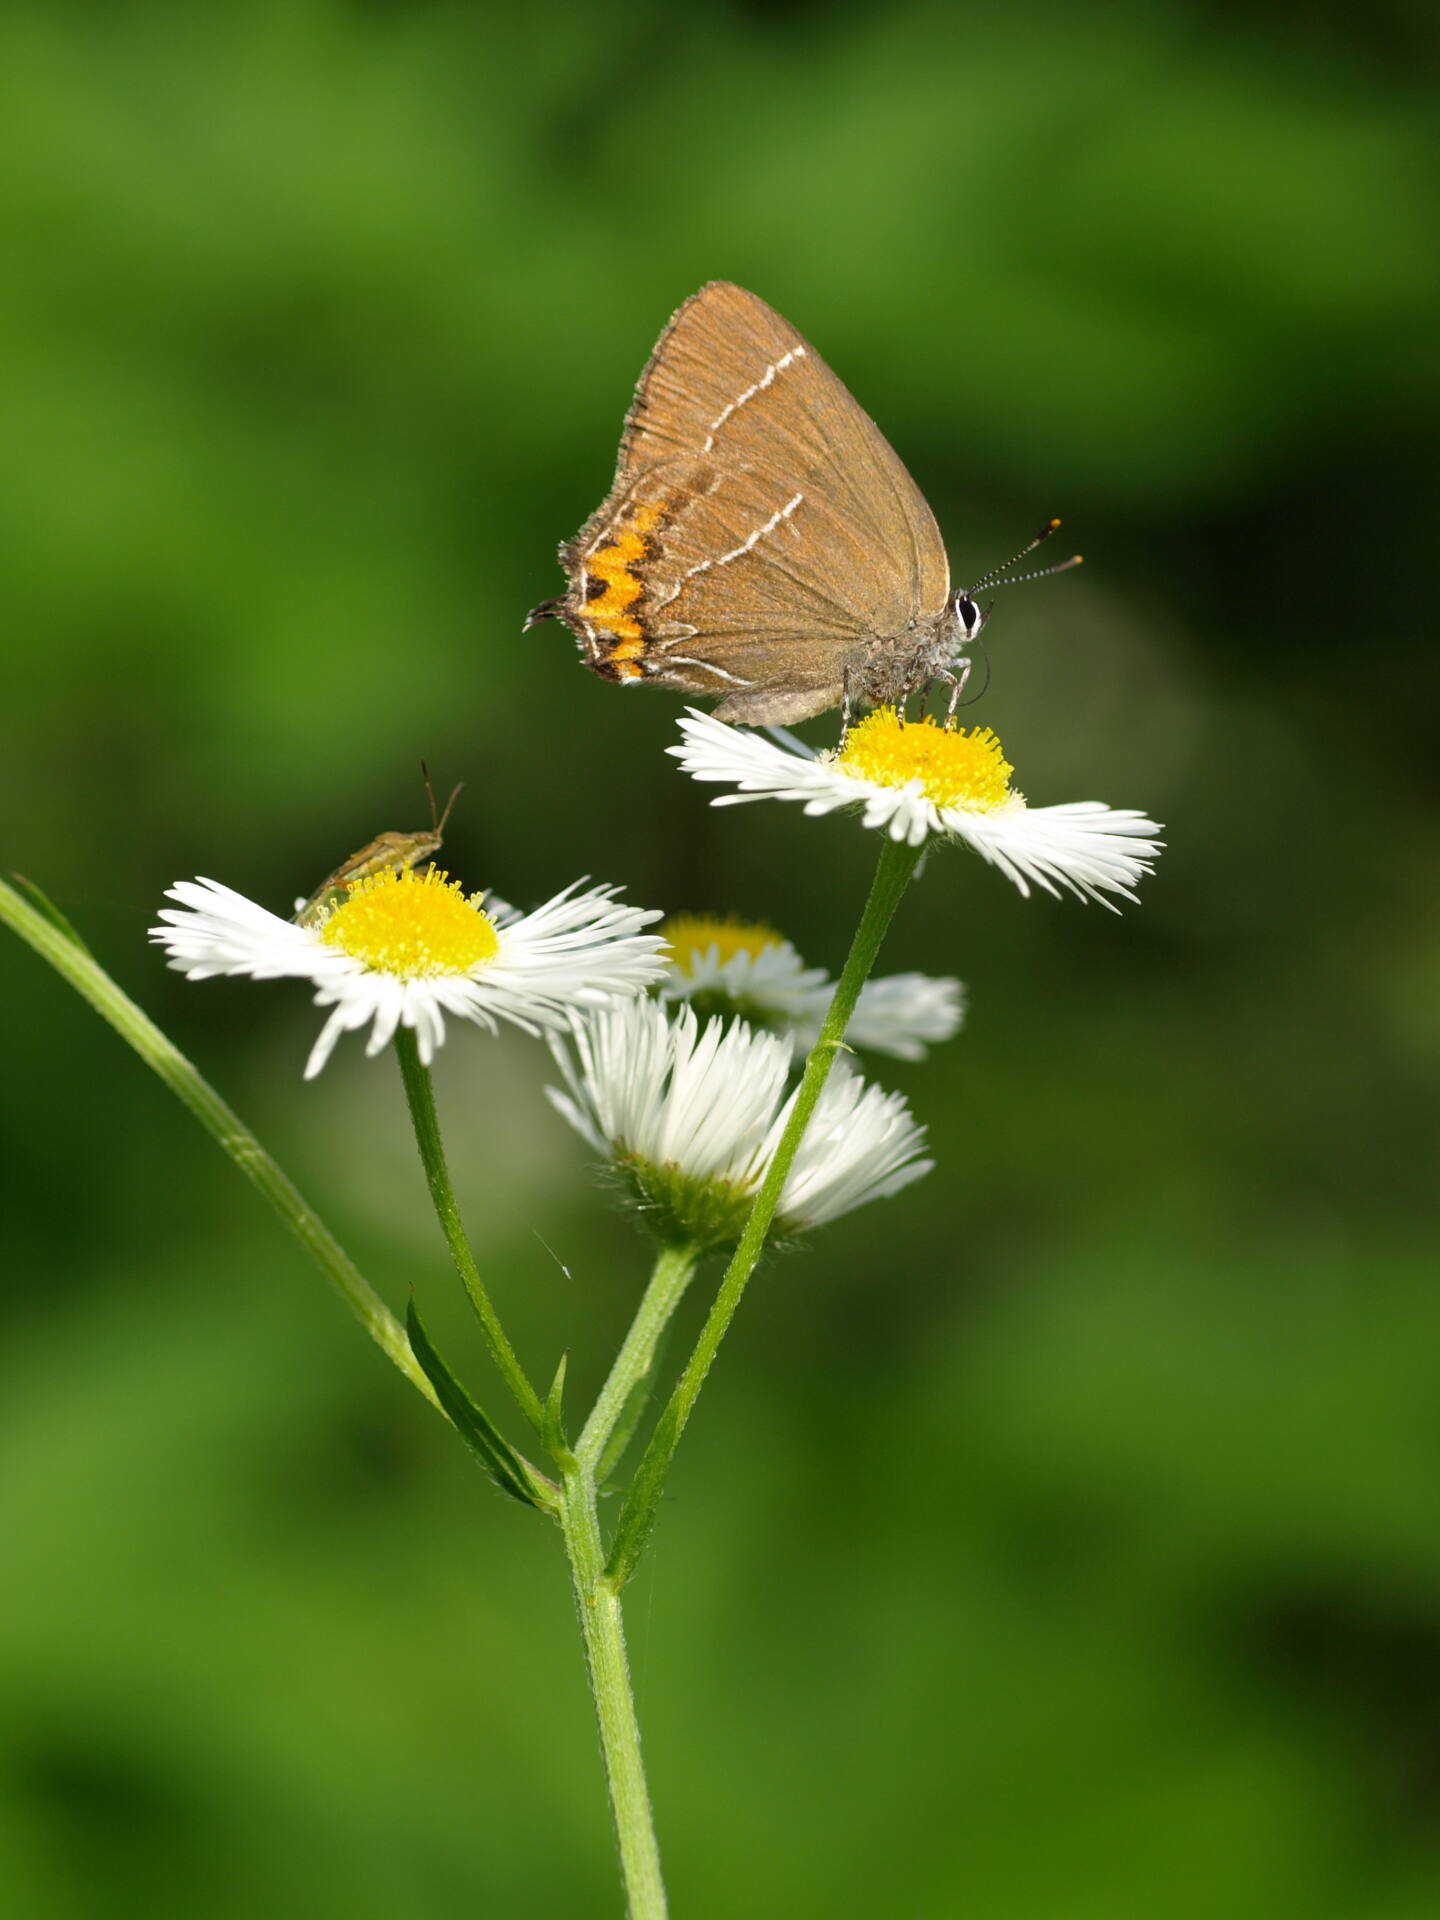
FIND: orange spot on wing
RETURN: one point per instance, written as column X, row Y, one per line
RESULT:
column 613, row 565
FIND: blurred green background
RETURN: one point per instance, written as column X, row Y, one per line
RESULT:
column 1060, row 1542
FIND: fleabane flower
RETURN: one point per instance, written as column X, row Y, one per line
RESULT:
column 406, row 948
column 736, row 967
column 691, row 1116
column 918, row 779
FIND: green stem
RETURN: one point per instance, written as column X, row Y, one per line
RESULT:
column 603, row 1629
column 421, row 1095
column 892, row 875
column 622, row 1398
column 618, row 1445
column 94, row 985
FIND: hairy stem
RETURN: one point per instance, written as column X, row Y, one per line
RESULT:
column 598, row 1603
column 622, row 1397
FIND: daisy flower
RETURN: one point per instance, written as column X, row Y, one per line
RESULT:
column 691, row 1117
column 738, row 967
column 918, row 779
column 407, row 948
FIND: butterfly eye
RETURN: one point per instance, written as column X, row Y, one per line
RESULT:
column 967, row 613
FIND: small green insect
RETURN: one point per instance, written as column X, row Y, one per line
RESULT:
column 387, row 852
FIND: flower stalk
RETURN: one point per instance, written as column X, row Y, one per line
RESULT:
column 893, row 872
column 622, row 1399
column 420, row 1094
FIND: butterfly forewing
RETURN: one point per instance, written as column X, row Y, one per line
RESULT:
column 731, row 377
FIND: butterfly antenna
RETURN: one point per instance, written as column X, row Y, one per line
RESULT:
column 1042, row 573
column 995, row 575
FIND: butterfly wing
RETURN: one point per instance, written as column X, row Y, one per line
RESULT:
column 762, row 535
column 731, row 378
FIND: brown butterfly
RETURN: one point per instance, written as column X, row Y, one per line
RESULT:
column 762, row 540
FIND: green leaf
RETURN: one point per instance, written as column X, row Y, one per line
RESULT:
column 507, row 1469
column 47, row 909
column 552, row 1430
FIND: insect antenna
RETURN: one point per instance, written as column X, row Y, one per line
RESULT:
column 1041, row 573
column 437, row 823
column 455, row 793
column 995, row 577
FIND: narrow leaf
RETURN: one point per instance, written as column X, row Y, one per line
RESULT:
column 46, row 907
column 552, row 1430
column 637, row 1516
column 500, row 1460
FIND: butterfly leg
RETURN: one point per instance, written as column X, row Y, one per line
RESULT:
column 957, row 687
column 844, row 708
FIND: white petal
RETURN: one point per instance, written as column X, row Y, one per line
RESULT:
column 577, row 1115
column 579, row 949
column 1087, row 847
column 711, row 750
column 903, row 1014
column 422, row 1012
column 389, row 1005
column 348, row 1015
column 861, row 1145
column 219, row 931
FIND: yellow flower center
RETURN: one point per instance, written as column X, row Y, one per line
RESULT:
column 955, row 767
column 413, row 926
column 692, row 935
